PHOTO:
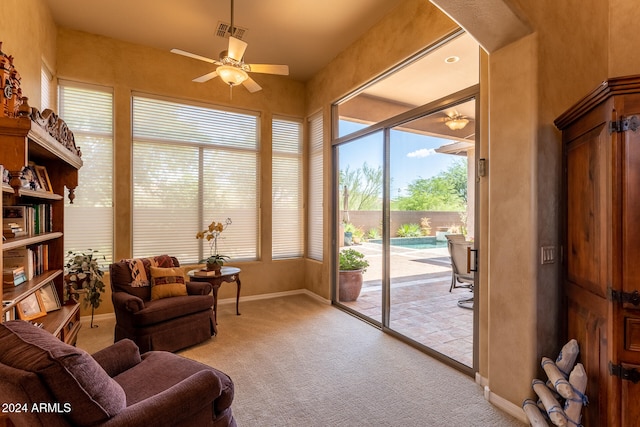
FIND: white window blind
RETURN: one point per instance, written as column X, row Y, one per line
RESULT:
column 315, row 211
column 287, row 203
column 88, row 222
column 193, row 165
column 45, row 88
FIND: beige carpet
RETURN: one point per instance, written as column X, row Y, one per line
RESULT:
column 298, row 362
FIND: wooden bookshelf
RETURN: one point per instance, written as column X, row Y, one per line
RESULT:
column 28, row 141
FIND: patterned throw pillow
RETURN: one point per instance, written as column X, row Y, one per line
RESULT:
column 167, row 282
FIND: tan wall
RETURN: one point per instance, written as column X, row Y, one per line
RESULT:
column 28, row 33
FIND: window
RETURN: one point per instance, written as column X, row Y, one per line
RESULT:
column 45, row 87
column 88, row 222
column 192, row 165
column 287, row 207
column 315, row 224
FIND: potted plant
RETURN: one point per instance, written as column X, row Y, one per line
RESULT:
column 352, row 265
column 214, row 261
column 83, row 271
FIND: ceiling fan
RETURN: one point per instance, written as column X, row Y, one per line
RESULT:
column 231, row 66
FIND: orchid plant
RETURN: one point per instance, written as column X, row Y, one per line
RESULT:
column 212, row 234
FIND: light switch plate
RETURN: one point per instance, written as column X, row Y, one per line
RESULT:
column 547, row 254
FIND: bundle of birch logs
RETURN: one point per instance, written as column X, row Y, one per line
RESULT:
column 561, row 398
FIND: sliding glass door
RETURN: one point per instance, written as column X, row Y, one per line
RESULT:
column 405, row 194
column 360, row 198
column 431, row 179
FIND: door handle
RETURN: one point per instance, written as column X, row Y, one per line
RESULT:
column 475, row 260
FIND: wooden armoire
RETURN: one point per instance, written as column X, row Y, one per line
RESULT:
column 601, row 246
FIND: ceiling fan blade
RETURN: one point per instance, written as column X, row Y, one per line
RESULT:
column 206, row 77
column 236, row 48
column 251, row 85
column 194, row 56
column 282, row 70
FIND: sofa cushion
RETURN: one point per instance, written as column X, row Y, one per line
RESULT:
column 171, row 308
column 70, row 373
column 167, row 282
column 121, row 279
column 163, row 370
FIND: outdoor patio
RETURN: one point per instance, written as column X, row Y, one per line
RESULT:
column 422, row 308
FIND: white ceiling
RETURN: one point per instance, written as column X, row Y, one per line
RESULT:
column 304, row 34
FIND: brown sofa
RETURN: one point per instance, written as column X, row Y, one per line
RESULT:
column 168, row 324
column 48, row 383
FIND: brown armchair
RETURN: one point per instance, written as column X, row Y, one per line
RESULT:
column 53, row 384
column 172, row 322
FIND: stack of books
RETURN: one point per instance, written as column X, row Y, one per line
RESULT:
column 13, row 276
column 24, row 258
column 12, row 229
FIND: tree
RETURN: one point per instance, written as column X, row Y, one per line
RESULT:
column 363, row 186
column 446, row 191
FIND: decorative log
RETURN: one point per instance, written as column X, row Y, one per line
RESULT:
column 567, row 357
column 534, row 414
column 561, row 385
column 573, row 407
column 551, row 404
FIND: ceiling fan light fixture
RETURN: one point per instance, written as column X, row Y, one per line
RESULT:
column 456, row 122
column 231, row 75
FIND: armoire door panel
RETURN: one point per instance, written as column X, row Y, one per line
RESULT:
column 587, row 320
column 629, row 396
column 631, row 213
column 587, row 206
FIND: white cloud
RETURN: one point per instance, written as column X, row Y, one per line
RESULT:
column 423, row 152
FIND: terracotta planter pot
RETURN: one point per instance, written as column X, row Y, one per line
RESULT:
column 349, row 285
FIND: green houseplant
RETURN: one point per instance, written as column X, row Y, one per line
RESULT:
column 352, row 265
column 83, row 271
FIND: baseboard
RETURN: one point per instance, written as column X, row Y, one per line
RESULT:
column 276, row 295
column 105, row 316
column 481, row 381
column 504, row 405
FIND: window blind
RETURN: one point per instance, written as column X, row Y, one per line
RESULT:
column 45, row 88
column 287, row 203
column 193, row 165
column 316, row 189
column 88, row 222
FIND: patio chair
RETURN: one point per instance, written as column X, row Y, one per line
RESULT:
column 461, row 275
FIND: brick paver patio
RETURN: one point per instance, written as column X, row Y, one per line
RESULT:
column 422, row 308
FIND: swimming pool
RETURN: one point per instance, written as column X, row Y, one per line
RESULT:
column 427, row 242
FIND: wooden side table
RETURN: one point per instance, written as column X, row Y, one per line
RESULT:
column 227, row 275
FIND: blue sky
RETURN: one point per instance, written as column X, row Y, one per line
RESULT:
column 412, row 156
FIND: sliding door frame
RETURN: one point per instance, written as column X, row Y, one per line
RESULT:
column 460, row 97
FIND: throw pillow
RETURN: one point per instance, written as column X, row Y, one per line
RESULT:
column 167, row 282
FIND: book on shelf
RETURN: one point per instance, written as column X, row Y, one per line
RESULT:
column 9, row 314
